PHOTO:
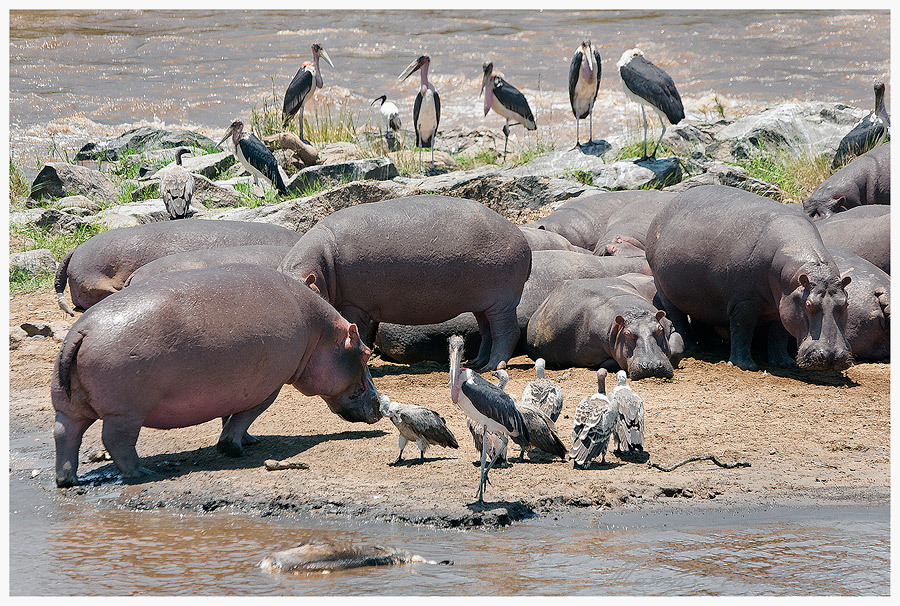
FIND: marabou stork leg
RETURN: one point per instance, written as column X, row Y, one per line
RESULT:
column 591, row 125
column 484, row 446
column 644, row 116
column 496, row 456
column 653, row 155
column 505, row 141
column 577, row 142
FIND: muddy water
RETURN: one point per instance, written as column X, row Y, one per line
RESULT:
column 74, row 75
column 84, row 548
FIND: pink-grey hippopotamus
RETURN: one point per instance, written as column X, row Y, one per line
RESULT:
column 866, row 180
column 604, row 322
column 419, row 260
column 628, row 225
column 864, row 230
column 168, row 353
column 727, row 257
column 541, row 239
column 261, row 254
column 549, row 269
column 869, row 313
column 99, row 267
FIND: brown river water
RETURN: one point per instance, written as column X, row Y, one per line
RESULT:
column 75, row 76
column 78, row 75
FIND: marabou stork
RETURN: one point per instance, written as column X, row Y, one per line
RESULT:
column 595, row 420
column 417, row 424
column 485, row 403
column 506, row 100
column 867, row 133
column 427, row 109
column 630, row 426
column 390, row 121
column 255, row 156
column 648, row 85
column 543, row 393
column 495, row 446
column 584, row 82
column 177, row 188
column 304, row 85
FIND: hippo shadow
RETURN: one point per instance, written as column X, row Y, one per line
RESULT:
column 167, row 466
column 395, row 369
column 827, row 378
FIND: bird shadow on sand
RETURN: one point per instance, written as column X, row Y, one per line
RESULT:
column 636, row 456
column 597, row 147
column 417, row 461
column 172, row 465
column 599, row 465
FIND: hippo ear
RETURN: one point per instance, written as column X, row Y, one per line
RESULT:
column 310, row 281
column 619, row 240
column 353, row 333
column 620, row 320
column 660, row 315
column 804, row 280
column 845, row 281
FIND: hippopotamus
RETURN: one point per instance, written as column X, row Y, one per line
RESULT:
column 604, row 322
column 621, row 247
column 869, row 312
column 267, row 256
column 864, row 230
column 99, row 267
column 727, row 257
column 325, row 555
column 541, row 239
column 866, row 180
column 419, row 260
column 583, row 220
column 169, row 353
column 629, row 224
column 549, row 269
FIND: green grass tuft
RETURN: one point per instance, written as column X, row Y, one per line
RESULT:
column 797, row 176
column 21, row 281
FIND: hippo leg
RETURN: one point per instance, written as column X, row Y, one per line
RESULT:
column 778, row 346
column 679, row 320
column 231, row 440
column 120, row 435
column 504, row 331
column 68, row 432
column 246, row 439
column 484, row 349
column 743, row 318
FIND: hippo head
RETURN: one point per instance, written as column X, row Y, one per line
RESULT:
column 824, row 202
column 641, row 345
column 338, row 373
column 815, row 313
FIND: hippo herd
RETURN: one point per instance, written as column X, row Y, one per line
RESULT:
column 189, row 321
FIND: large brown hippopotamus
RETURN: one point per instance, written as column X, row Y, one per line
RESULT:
column 549, row 269
column 727, row 257
column 864, row 230
column 267, row 256
column 604, row 322
column 629, row 224
column 167, row 353
column 419, row 260
column 866, row 180
column 99, row 267
column 869, row 313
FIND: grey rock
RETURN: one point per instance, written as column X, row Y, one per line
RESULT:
column 213, row 195
column 50, row 219
column 59, row 329
column 24, row 217
column 687, row 137
column 635, row 174
column 210, row 166
column 720, row 173
column 81, row 202
column 33, row 261
column 58, row 180
column 804, row 129
column 470, row 142
column 135, row 213
column 356, row 170
column 16, row 336
column 340, row 151
column 564, row 163
column 140, row 140
column 303, row 152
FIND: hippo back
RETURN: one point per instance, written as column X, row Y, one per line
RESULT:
column 267, row 256
column 632, row 221
column 864, row 230
column 581, row 221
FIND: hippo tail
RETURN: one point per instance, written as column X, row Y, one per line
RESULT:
column 62, row 273
column 66, row 358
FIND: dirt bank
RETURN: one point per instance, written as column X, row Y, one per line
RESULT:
column 820, row 437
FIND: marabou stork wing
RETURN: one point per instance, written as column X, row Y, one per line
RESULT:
column 428, row 424
column 296, row 92
column 510, row 97
column 864, row 136
column 574, row 68
column 259, row 156
column 599, row 71
column 653, row 85
column 437, row 111
column 417, row 106
column 494, row 403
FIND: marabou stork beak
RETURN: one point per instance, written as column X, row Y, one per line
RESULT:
column 456, row 353
column 227, row 134
column 324, row 54
column 486, row 68
column 410, row 69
